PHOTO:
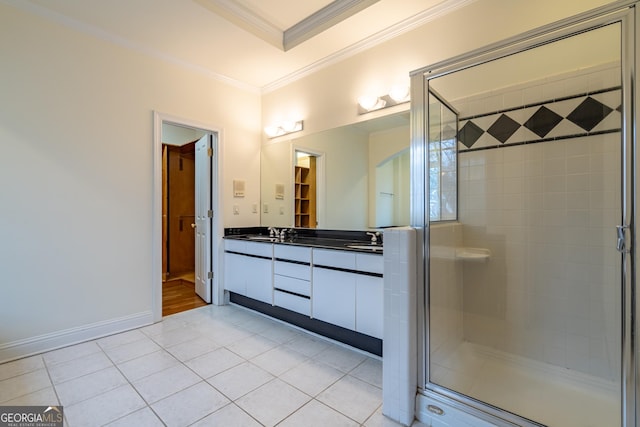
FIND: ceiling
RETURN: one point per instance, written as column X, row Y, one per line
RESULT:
column 256, row 44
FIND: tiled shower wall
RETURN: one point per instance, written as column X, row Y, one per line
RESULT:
column 445, row 302
column 544, row 200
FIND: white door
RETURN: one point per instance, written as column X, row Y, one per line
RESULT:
column 204, row 217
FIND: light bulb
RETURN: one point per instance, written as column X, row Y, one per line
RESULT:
column 368, row 102
column 399, row 93
column 289, row 126
column 271, row 131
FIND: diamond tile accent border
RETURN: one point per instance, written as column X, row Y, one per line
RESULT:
column 589, row 114
column 543, row 121
column 469, row 134
column 503, row 128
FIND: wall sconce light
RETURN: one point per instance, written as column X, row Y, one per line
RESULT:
column 283, row 128
column 397, row 95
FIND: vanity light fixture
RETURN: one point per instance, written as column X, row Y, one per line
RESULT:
column 283, row 128
column 370, row 102
column 397, row 95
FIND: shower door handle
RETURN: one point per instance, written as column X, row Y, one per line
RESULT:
column 622, row 238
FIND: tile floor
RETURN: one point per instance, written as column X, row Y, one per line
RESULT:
column 212, row 366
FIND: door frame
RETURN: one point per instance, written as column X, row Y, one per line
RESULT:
column 156, row 210
column 321, row 192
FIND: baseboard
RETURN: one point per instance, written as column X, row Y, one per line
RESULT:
column 39, row 344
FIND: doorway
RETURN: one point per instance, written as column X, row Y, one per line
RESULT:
column 178, row 223
column 309, row 198
column 184, row 227
column 305, row 190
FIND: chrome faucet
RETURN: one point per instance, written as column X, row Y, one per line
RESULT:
column 273, row 232
column 374, row 237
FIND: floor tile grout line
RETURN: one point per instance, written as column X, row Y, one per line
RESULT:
column 372, row 414
column 25, row 372
column 133, row 387
column 44, row 368
column 235, row 324
column 70, row 346
column 231, row 402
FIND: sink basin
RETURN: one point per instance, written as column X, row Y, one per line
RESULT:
column 368, row 247
column 262, row 238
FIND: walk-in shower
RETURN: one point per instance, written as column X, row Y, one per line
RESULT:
column 527, row 150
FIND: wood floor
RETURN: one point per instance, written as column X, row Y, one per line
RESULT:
column 178, row 294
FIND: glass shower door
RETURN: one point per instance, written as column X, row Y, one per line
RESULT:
column 525, row 287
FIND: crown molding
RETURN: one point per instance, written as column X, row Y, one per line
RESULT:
column 325, row 18
column 240, row 15
column 405, row 26
column 246, row 19
column 101, row 34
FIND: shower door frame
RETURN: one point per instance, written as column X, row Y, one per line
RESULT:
column 625, row 13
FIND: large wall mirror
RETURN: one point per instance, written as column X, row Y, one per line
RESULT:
column 354, row 177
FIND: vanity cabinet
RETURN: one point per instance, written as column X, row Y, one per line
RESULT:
column 337, row 293
column 249, row 269
column 348, row 290
column 292, row 278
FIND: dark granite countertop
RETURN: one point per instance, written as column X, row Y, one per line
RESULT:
column 325, row 239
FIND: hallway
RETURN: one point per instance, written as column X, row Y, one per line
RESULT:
column 178, row 295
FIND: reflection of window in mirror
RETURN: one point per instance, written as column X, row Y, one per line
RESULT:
column 392, row 190
column 443, row 185
column 305, row 177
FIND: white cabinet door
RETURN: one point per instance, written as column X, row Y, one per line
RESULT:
column 334, row 297
column 258, row 273
column 203, row 219
column 235, row 279
column 369, row 305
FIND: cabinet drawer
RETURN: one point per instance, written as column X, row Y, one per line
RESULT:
column 331, row 258
column 298, row 271
column 302, row 287
column 294, row 253
column 235, row 245
column 370, row 263
column 251, row 248
column 292, row 302
column 260, row 249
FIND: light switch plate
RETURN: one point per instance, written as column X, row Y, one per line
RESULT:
column 236, row 210
column 265, row 208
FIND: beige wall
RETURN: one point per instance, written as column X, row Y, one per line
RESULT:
column 327, row 98
column 76, row 143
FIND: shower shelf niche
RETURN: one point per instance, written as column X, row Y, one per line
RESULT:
column 473, row 254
